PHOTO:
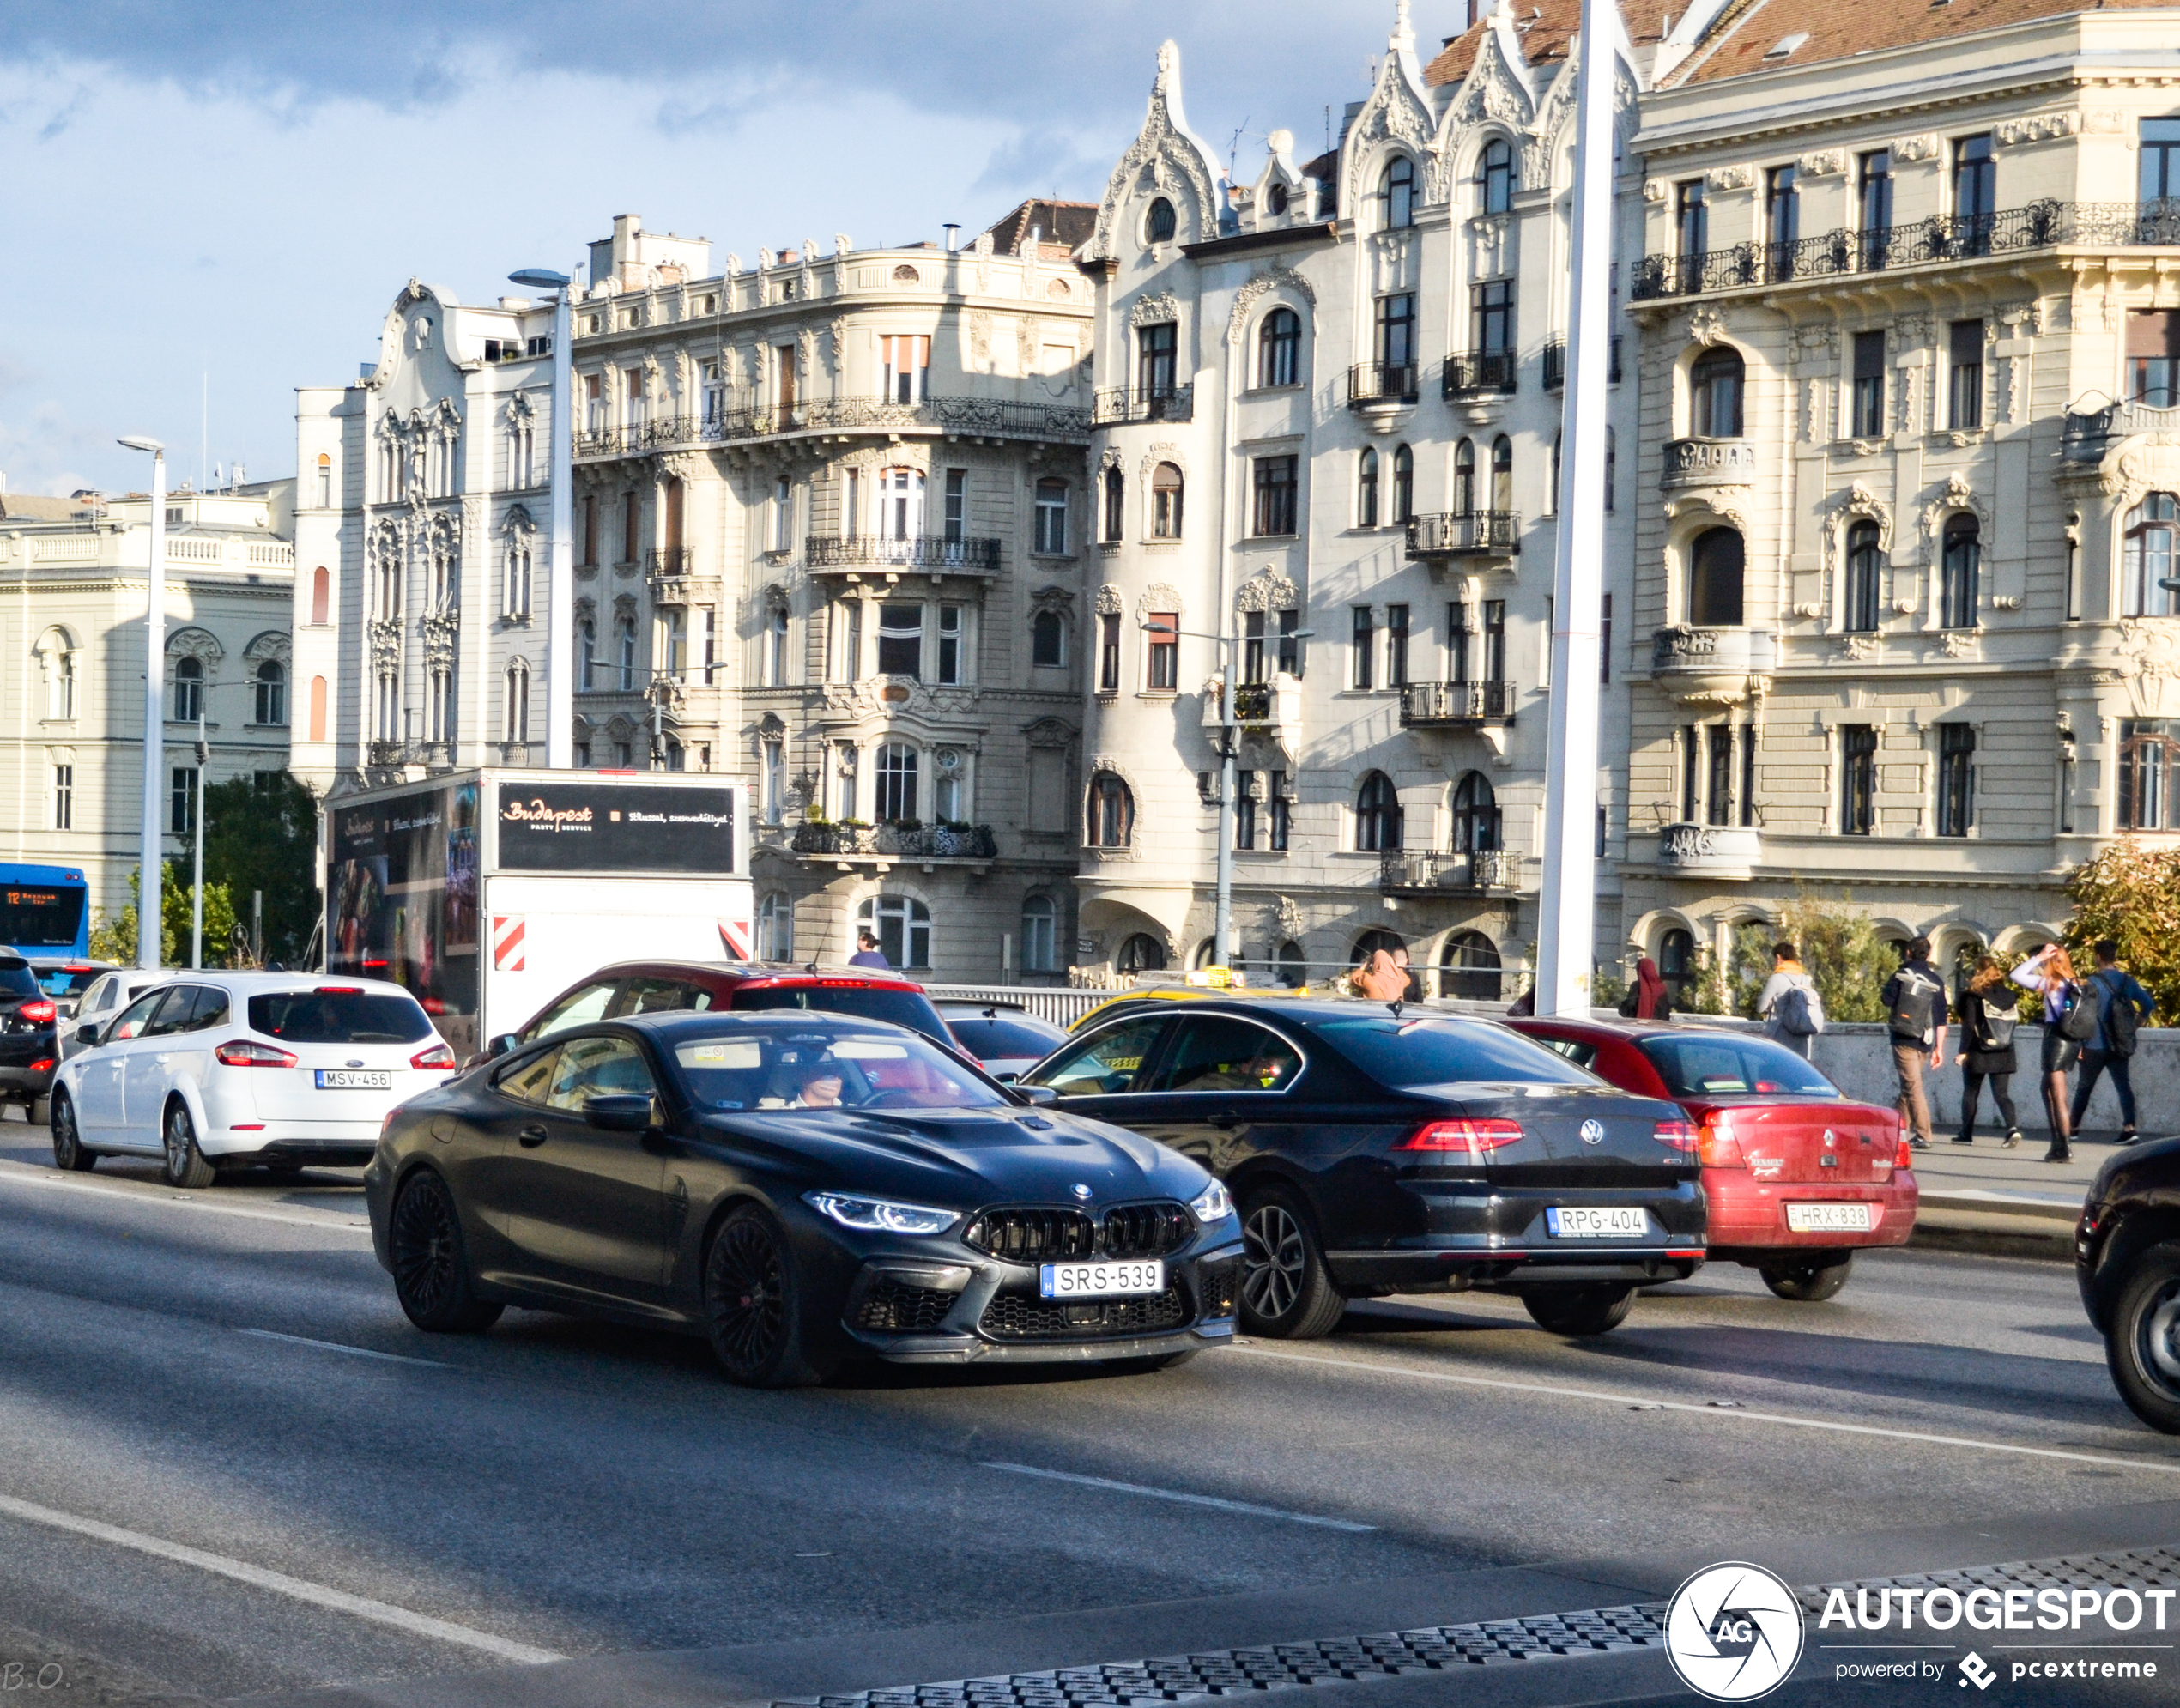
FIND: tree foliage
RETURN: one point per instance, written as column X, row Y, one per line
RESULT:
column 1844, row 955
column 2131, row 893
column 115, row 939
column 261, row 834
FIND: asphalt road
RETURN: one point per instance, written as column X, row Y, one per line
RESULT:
column 560, row 1511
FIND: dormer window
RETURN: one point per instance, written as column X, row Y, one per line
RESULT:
column 1276, row 199
column 1495, row 179
column 1397, row 193
column 1161, row 223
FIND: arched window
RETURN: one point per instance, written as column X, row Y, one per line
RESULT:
column 1048, row 640
column 896, row 782
column 1279, row 349
column 188, row 689
column 2148, row 557
column 57, row 653
column 1116, row 504
column 1378, row 815
column 518, row 578
column 776, row 927
column 1960, row 572
column 1714, row 395
column 1053, row 517
column 1465, row 479
column 1366, row 489
column 1166, row 502
column 1865, row 575
column 325, row 481
column 1293, row 969
column 1475, row 815
column 1206, row 954
column 271, row 692
column 439, row 705
column 1160, row 224
column 1403, row 485
column 515, row 719
column 586, row 656
column 1142, row 953
column 317, row 708
column 321, row 596
column 1495, row 179
column 903, row 927
column 1112, row 812
column 625, row 639
column 1469, row 967
column 1397, row 193
column 1040, row 935
column 776, row 648
column 2149, row 761
column 1715, row 565
column 1502, row 475
column 1676, row 964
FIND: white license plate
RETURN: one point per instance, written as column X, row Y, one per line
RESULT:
column 354, row 1079
column 1609, row 1223
column 1099, row 1281
column 1827, row 1217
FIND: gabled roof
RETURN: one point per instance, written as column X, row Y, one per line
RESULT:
column 1067, row 224
column 1548, row 27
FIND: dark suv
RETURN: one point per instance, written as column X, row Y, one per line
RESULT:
column 2127, row 1258
column 644, row 987
column 26, row 1039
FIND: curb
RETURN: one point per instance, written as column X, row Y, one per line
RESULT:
column 2041, row 1237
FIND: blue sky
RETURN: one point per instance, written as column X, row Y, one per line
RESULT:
column 214, row 205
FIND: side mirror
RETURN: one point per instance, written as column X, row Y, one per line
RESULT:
column 501, row 1044
column 620, row 1113
column 87, row 1036
column 1037, row 1096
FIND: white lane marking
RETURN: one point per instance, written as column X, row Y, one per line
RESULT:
column 335, row 1345
column 21, row 1173
column 1243, row 1506
column 1704, row 1409
column 280, row 1583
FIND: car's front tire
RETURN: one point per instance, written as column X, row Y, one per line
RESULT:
column 2142, row 1345
column 1578, row 1312
column 68, row 1150
column 431, row 1264
column 1810, row 1279
column 186, row 1166
column 1287, row 1292
column 753, row 1305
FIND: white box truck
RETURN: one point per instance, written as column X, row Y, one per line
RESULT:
column 485, row 893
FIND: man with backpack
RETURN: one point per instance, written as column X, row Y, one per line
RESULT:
column 1790, row 1008
column 2122, row 1007
column 1915, row 1011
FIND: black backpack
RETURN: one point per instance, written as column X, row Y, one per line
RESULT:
column 2121, row 1021
column 1915, row 997
column 2078, row 1024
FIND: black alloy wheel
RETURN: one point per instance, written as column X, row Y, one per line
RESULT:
column 431, row 1266
column 1810, row 1279
column 68, row 1142
column 1577, row 1311
column 2142, row 1345
column 186, row 1166
column 1286, row 1293
column 753, row 1305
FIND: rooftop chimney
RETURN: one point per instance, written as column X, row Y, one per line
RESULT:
column 952, row 238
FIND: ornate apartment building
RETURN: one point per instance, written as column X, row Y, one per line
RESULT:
column 1329, row 418
column 1908, row 465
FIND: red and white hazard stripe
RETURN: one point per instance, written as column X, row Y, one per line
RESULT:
column 507, row 951
column 735, row 934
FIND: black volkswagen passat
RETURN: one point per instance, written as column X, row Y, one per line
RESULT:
column 1374, row 1151
column 802, row 1188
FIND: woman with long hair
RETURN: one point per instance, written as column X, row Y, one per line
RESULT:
column 2051, row 974
column 1986, row 1011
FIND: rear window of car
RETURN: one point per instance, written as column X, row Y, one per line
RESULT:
column 17, row 980
column 790, row 1070
column 1004, row 1035
column 911, row 1008
column 332, row 1017
column 1721, row 1064
column 67, row 981
column 1437, row 1051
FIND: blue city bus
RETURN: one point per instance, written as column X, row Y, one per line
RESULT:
column 44, row 912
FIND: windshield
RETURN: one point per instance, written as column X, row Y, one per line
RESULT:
column 911, row 1008
column 1005, row 1035
column 1436, row 1052
column 1718, row 1065
column 332, row 1015
column 788, row 1070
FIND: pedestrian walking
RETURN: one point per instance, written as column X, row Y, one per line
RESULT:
column 1915, row 1005
column 2050, row 974
column 867, row 953
column 1649, row 997
column 2122, row 1007
column 1985, row 1009
column 1789, row 1006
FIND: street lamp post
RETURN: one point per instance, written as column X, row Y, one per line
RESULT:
column 560, row 606
column 147, row 912
column 196, row 876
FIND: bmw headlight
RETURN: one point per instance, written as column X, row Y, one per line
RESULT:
column 878, row 1216
column 1214, row 1203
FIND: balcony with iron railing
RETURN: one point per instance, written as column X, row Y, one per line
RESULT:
column 932, row 554
column 1471, row 871
column 1555, row 364
column 1455, row 706
column 1478, row 374
column 1942, row 238
column 2090, row 433
column 669, row 560
column 894, row 841
column 1438, row 534
column 1378, row 385
column 989, row 417
column 1707, row 462
column 1122, row 404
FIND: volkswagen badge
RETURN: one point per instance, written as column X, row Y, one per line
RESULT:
column 1593, row 1132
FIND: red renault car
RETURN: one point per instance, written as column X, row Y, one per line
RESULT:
column 1797, row 1177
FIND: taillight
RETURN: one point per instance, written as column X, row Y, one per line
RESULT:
column 1716, row 1144
column 1462, row 1134
column 241, row 1052
column 38, row 1014
column 43, row 1065
column 342, row 990
column 1904, row 1156
column 1681, row 1135
column 438, row 1055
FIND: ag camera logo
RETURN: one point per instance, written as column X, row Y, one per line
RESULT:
column 1732, row 1632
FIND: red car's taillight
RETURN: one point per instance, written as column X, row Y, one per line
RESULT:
column 438, row 1055
column 1716, row 1144
column 1462, row 1134
column 38, row 1014
column 241, row 1052
column 1681, row 1135
column 1904, row 1156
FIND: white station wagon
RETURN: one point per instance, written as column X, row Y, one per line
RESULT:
column 220, row 1071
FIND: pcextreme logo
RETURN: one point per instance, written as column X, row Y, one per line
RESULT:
column 1732, row 1632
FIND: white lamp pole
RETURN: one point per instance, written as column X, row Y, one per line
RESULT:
column 559, row 592
column 197, row 878
column 148, row 910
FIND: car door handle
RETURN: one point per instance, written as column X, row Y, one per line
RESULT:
column 162, row 1060
column 532, row 1138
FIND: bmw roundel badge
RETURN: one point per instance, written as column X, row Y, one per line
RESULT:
column 1593, row 1132
column 1080, row 1191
